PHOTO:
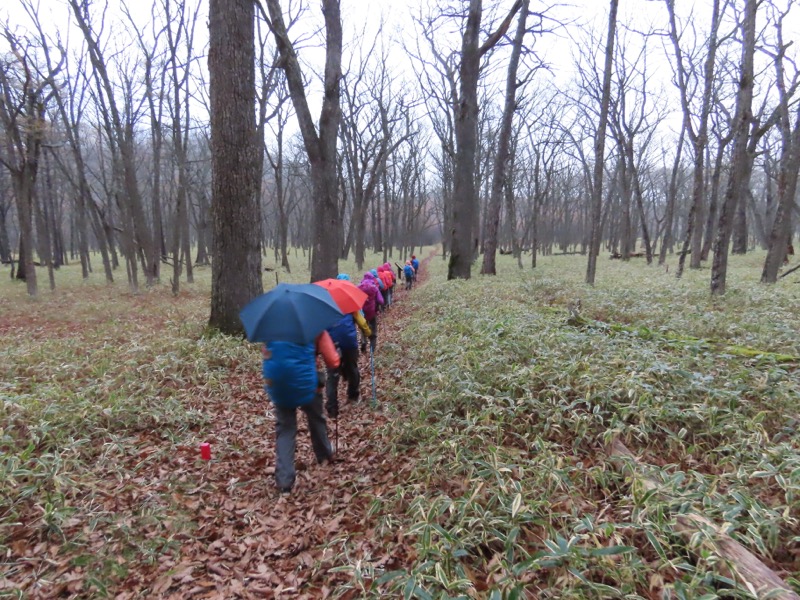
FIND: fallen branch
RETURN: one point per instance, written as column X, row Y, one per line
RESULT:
column 618, row 256
column 739, row 563
column 789, row 272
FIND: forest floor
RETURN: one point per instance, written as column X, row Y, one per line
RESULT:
column 483, row 471
column 141, row 515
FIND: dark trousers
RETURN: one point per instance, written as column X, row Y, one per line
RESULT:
column 348, row 370
column 373, row 339
column 286, row 439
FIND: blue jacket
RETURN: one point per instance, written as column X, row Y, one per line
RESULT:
column 291, row 373
column 409, row 271
column 344, row 333
column 415, row 264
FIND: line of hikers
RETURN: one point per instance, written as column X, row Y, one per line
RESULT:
column 293, row 380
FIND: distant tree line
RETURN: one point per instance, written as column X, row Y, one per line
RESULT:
column 107, row 145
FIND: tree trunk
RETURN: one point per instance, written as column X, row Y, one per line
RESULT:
column 23, row 190
column 781, row 233
column 236, row 246
column 599, row 148
column 741, row 125
column 502, row 158
column 465, row 194
column 463, row 234
column 711, row 219
column 739, row 243
column 672, row 197
column 699, row 138
column 320, row 147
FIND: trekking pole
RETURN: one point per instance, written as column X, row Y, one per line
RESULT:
column 372, row 368
column 336, row 436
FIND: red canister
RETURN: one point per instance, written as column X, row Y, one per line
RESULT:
column 205, row 451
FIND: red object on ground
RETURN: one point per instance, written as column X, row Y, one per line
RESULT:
column 205, row 451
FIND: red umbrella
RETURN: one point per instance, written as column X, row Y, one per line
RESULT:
column 347, row 296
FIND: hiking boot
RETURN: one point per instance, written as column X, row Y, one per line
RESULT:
column 285, row 491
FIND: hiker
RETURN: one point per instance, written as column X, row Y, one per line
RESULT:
column 369, row 285
column 345, row 338
column 409, row 273
column 387, row 276
column 415, row 264
column 381, row 286
column 292, row 382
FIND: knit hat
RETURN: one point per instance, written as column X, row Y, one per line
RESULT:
column 343, row 276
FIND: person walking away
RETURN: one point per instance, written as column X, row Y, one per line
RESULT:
column 291, row 382
column 345, row 337
column 415, row 264
column 381, row 287
column 369, row 286
column 388, row 281
column 408, row 273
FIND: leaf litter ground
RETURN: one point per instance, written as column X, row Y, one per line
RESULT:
column 150, row 519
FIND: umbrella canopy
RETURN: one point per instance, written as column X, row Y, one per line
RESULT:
column 289, row 312
column 347, row 296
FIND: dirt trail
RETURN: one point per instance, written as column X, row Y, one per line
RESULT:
column 251, row 543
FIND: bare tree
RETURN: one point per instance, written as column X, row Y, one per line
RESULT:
column 599, row 148
column 320, row 144
column 463, row 236
column 120, row 128
column 633, row 120
column 179, row 69
column 741, row 126
column 278, row 121
column 781, row 232
column 502, row 156
column 672, row 198
column 25, row 90
column 698, row 133
column 369, row 120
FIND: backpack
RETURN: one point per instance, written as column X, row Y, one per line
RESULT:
column 409, row 271
column 291, row 374
column 344, row 333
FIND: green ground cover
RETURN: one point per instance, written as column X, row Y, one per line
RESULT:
column 513, row 404
column 505, row 404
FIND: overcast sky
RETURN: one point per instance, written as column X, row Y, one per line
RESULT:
column 556, row 49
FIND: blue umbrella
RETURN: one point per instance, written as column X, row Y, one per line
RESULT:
column 290, row 313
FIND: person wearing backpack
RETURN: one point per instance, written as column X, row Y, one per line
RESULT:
column 408, row 273
column 381, row 287
column 387, row 276
column 291, row 382
column 345, row 337
column 369, row 285
column 415, row 264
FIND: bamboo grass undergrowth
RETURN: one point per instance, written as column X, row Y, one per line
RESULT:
column 511, row 407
